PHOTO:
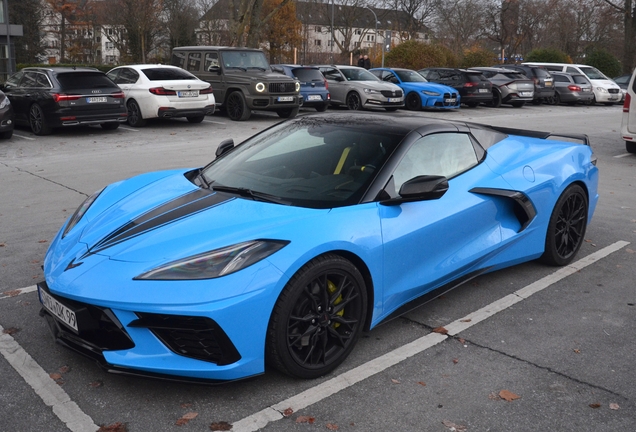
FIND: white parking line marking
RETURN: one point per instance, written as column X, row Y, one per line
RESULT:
column 17, row 292
column 45, row 387
column 128, row 129
column 23, row 137
column 623, row 155
column 316, row 394
column 215, row 122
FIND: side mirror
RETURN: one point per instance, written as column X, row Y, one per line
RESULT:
column 339, row 79
column 213, row 68
column 420, row 188
column 224, row 147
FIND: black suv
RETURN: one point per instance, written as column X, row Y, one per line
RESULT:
column 543, row 82
column 45, row 98
column 473, row 87
column 241, row 80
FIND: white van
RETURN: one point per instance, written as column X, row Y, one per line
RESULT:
column 628, row 128
column 605, row 90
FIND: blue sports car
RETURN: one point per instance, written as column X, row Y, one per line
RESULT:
column 289, row 245
column 418, row 92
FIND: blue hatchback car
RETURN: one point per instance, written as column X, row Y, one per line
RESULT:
column 418, row 92
column 313, row 85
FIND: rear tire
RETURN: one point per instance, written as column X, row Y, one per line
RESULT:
column 496, row 99
column 135, row 119
column 37, row 121
column 566, row 228
column 195, row 119
column 630, row 146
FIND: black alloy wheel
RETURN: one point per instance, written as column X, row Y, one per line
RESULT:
column 37, row 121
column 353, row 101
column 496, row 99
column 413, row 102
column 566, row 228
column 236, row 107
column 557, row 98
column 135, row 119
column 318, row 318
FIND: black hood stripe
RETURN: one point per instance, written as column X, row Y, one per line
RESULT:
column 172, row 211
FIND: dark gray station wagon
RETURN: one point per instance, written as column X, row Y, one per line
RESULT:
column 241, row 80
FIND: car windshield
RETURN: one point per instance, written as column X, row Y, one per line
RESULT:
column 309, row 162
column 358, row 75
column 410, row 76
column 167, row 74
column 541, row 73
column 244, row 60
column 84, row 80
column 592, row 73
column 308, row 75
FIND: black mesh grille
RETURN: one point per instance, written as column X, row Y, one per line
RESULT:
column 200, row 338
column 388, row 93
column 285, row 87
column 613, row 90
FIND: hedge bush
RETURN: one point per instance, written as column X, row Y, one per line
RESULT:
column 418, row 55
column 605, row 62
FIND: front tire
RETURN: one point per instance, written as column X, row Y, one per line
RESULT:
column 318, row 318
column 135, row 119
column 630, row 146
column 413, row 102
column 236, row 107
column 354, row 102
column 566, row 227
column 37, row 121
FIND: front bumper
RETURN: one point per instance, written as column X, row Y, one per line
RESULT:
column 273, row 102
column 605, row 97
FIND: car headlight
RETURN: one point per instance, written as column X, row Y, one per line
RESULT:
column 79, row 213
column 5, row 103
column 297, row 86
column 216, row 263
column 602, row 90
column 260, row 87
column 430, row 93
column 372, row 91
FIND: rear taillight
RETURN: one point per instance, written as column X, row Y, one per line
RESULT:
column 470, row 84
column 118, row 95
column 573, row 87
column 60, row 97
column 206, row 91
column 160, row 91
column 628, row 101
column 326, row 85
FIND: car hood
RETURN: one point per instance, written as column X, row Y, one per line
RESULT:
column 430, row 86
column 374, row 85
column 170, row 218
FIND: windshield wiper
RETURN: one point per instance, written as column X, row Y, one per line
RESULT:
column 257, row 67
column 237, row 67
column 248, row 193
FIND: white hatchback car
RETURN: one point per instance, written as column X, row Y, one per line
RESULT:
column 628, row 128
column 161, row 91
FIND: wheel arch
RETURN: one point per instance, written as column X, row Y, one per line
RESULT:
column 231, row 90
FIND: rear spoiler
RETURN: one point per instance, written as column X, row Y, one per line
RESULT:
column 574, row 138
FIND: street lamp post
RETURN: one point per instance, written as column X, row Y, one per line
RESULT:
column 375, row 36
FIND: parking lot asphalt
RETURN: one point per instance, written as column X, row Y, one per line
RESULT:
column 560, row 359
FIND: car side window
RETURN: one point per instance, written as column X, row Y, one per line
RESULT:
column 211, row 60
column 331, row 73
column 127, row 76
column 560, row 78
column 113, row 75
column 445, row 154
column 42, row 81
column 194, row 62
column 390, row 77
column 14, row 80
column 178, row 59
column 30, row 79
column 571, row 70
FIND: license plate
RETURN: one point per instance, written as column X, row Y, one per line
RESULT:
column 190, row 93
column 585, row 90
column 395, row 99
column 96, row 99
column 525, row 94
column 58, row 310
column 483, row 90
column 548, row 83
column 450, row 101
column 613, row 98
column 314, row 98
column 285, row 99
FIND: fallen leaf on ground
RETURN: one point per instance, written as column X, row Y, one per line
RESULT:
column 595, row 405
column 64, row 369
column 332, row 426
column 462, row 340
column 455, row 361
column 578, row 351
column 186, row 418
column 454, row 427
column 422, row 383
column 2, row 245
column 614, row 406
column 508, row 395
column 97, row 383
column 221, row 426
column 12, row 293
column 440, row 330
column 42, row 241
column 288, row 412
column 305, row 419
column 465, row 320
column 10, row 330
column 115, row 427
column 55, row 376
column 394, row 381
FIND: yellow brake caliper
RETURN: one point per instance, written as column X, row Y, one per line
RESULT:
column 331, row 287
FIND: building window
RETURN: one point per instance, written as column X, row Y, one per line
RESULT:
column 317, row 42
column 329, row 43
column 358, row 32
column 110, row 31
column 370, row 38
column 318, row 29
column 110, row 45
